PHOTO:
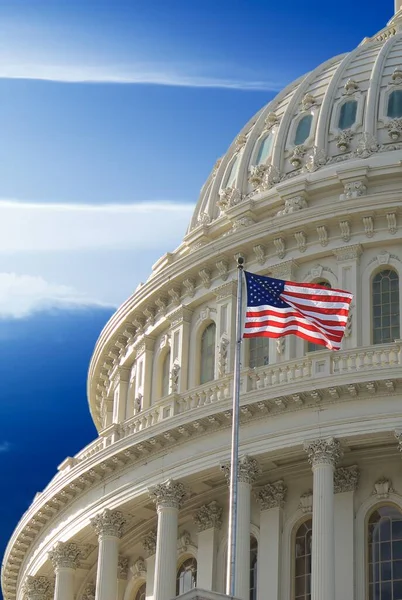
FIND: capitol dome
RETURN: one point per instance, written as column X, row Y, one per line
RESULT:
column 310, row 191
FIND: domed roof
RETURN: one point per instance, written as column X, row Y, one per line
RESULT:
column 344, row 110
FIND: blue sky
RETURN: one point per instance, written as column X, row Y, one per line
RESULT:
column 112, row 114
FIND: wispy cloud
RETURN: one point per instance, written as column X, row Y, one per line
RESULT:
column 23, row 295
column 26, row 227
column 4, row 447
column 162, row 75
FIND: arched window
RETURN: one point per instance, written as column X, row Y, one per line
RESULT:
column 208, row 354
column 259, row 352
column 141, row 593
column 232, row 172
column 384, row 537
column 264, row 151
column 302, row 562
column 186, row 576
column 303, row 129
column 395, row 104
column 385, row 299
column 253, row 568
column 311, row 347
column 347, row 114
column 165, row 375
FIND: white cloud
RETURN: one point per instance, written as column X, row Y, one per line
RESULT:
column 55, row 227
column 136, row 74
column 23, row 295
column 4, row 447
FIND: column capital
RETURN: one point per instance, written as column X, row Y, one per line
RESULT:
column 248, row 471
column 122, row 567
column 89, row 592
column 323, row 451
column 272, row 495
column 208, row 516
column 345, row 253
column 65, row 554
column 109, row 522
column 149, row 543
column 170, row 494
column 346, row 479
column 37, row 587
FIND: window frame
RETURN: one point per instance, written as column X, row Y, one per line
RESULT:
column 375, row 272
column 290, row 144
column 201, row 335
column 295, row 529
column 182, row 561
column 360, row 98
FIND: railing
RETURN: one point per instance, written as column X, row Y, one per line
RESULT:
column 312, row 367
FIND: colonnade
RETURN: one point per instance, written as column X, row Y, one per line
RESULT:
column 168, row 497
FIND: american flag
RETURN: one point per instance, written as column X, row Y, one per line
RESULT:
column 313, row 312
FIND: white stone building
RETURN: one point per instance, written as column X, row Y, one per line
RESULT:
column 310, row 190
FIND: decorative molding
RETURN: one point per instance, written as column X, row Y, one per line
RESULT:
column 109, row 523
column 259, row 252
column 368, row 224
column 270, row 121
column 343, row 140
column 37, row 588
column 89, row 592
column 149, row 543
column 223, row 269
column 322, row 235
column 122, row 567
column 391, row 221
column 248, row 470
column 306, row 502
column 184, row 541
column 170, row 494
column 205, row 277
column 301, row 241
column 293, row 205
column 139, row 568
column 280, row 346
column 350, row 87
column 346, row 479
column 383, row 488
column 272, row 495
column 348, row 252
column 308, row 101
column 353, row 190
column 208, row 516
column 205, row 314
column 229, row 197
column 394, row 127
column 174, row 378
column 223, row 357
column 367, row 145
column 280, row 247
column 65, row 555
column 284, row 270
column 175, row 294
column 189, row 284
column 296, row 158
column 344, row 226
column 323, row 451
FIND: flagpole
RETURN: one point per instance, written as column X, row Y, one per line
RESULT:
column 232, row 541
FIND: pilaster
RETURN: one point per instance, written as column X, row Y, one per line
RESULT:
column 208, row 520
column 144, row 358
column 226, row 299
column 120, row 384
column 180, row 326
column 348, row 259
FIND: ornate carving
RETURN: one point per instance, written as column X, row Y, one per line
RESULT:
column 109, row 522
column 223, row 357
column 122, row 567
column 392, row 226
column 241, row 222
column 161, row 302
column 184, row 541
column 150, row 316
column 344, row 226
column 292, row 205
column 280, row 247
column 306, row 502
column 259, row 252
column 216, row 166
column 348, row 252
column 308, row 102
column 170, row 494
column 65, row 555
column 139, row 568
column 37, row 587
column 396, row 77
column 248, row 470
column 203, row 219
column 280, row 346
column 368, row 225
column 383, row 488
column 301, row 240
column 223, row 269
column 316, row 158
column 205, row 276
column 297, row 156
column 322, row 235
column 284, row 270
column 352, row 190
column 89, row 592
column 394, row 129
column 346, row 479
column 367, row 145
column 343, row 139
column 229, row 197
column 174, row 378
column 270, row 121
column 383, row 258
column 208, row 516
column 174, row 293
column 350, row 87
column 240, row 141
column 149, row 543
column 323, row 451
column 189, row 284
column 398, row 436
column 257, row 176
column 138, row 403
column 272, row 495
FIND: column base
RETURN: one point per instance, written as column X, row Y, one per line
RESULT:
column 199, row 594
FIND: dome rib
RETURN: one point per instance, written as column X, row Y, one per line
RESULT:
column 373, row 94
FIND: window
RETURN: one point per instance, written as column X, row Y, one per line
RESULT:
column 259, row 352
column 385, row 307
column 141, row 593
column 384, row 538
column 186, row 576
column 232, row 172
column 395, row 104
column 165, row 375
column 253, row 568
column 208, row 354
column 264, row 151
column 303, row 129
column 302, row 564
column 347, row 115
column 311, row 347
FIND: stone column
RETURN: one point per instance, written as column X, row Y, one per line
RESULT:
column 65, row 558
column 37, row 587
column 122, row 570
column 108, row 525
column 345, row 484
column 209, row 521
column 168, row 498
column 323, row 455
column 271, row 498
column 248, row 471
column 149, row 545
